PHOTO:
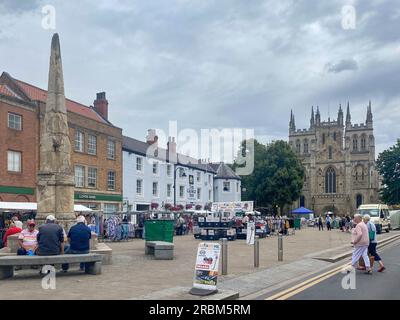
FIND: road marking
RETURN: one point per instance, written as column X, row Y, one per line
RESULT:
column 307, row 284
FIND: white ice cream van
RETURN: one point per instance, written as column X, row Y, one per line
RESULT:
column 379, row 214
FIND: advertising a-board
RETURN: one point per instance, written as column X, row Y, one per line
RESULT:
column 206, row 269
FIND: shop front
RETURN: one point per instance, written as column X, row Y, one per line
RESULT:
column 107, row 203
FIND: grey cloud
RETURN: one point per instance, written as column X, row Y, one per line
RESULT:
column 342, row 65
column 216, row 63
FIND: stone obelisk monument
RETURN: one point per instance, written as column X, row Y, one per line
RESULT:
column 55, row 188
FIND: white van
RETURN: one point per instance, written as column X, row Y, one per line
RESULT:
column 379, row 214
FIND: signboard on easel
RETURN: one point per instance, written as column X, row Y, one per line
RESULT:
column 250, row 233
column 206, row 268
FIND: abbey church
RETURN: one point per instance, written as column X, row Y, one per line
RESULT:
column 339, row 162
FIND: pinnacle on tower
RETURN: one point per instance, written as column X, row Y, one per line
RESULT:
column 318, row 117
column 340, row 115
column 292, row 124
column 312, row 119
column 348, row 116
column 369, row 114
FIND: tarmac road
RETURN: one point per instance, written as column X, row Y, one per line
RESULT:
column 378, row 286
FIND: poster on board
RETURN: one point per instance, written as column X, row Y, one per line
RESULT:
column 206, row 268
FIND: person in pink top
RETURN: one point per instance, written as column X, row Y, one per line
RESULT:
column 360, row 242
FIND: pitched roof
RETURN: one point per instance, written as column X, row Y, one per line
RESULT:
column 141, row 147
column 7, row 91
column 224, row 171
column 34, row 93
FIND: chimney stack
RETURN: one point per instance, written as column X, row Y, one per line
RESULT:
column 171, row 146
column 151, row 137
column 101, row 104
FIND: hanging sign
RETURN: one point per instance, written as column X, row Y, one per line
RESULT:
column 251, row 232
column 206, row 269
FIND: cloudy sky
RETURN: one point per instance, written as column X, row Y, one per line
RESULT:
column 216, row 63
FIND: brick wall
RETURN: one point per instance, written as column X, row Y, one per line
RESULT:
column 24, row 141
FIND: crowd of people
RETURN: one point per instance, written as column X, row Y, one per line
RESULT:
column 50, row 238
column 343, row 223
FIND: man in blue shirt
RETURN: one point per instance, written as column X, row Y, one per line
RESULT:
column 79, row 239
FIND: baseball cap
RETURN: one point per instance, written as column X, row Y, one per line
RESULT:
column 50, row 217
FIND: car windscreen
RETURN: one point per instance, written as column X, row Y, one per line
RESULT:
column 370, row 212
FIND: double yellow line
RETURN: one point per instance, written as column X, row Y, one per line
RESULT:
column 286, row 294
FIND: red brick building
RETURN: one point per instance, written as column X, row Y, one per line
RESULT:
column 96, row 145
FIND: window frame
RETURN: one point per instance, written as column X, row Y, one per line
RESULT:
column 223, row 186
column 141, row 164
column 15, row 115
column 113, row 154
column 108, row 180
column 79, row 133
column 157, row 193
column 141, row 187
column 93, row 169
column 83, row 176
column 89, row 144
column 14, row 152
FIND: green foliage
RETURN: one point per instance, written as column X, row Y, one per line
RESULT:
column 388, row 165
column 278, row 175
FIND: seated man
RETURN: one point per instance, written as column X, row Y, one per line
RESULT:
column 28, row 239
column 79, row 239
column 50, row 238
column 15, row 227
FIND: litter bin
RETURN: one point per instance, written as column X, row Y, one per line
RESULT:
column 297, row 223
column 159, row 230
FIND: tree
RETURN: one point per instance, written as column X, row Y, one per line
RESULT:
column 388, row 165
column 278, row 174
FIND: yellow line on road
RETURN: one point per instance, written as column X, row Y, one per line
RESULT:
column 307, row 284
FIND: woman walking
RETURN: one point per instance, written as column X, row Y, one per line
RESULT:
column 373, row 242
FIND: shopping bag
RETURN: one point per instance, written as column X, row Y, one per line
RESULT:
column 371, row 261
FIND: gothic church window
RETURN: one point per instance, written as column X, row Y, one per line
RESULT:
column 330, row 152
column 355, row 143
column 298, row 147
column 363, row 143
column 323, row 138
column 334, row 136
column 330, row 180
column 306, row 146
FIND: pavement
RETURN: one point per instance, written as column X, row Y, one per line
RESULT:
column 133, row 275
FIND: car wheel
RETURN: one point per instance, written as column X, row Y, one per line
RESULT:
column 387, row 230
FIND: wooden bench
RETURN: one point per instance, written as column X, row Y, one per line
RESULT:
column 160, row 249
column 7, row 264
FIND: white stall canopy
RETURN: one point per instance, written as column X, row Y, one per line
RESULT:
column 27, row 206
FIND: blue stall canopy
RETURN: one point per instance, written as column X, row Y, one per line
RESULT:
column 302, row 210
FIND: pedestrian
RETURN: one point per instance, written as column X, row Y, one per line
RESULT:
column 328, row 222
column 28, row 240
column 373, row 242
column 50, row 238
column 79, row 240
column 343, row 224
column 360, row 242
column 320, row 224
column 125, row 229
column 15, row 227
column 348, row 223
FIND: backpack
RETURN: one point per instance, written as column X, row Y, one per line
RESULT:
column 371, row 233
